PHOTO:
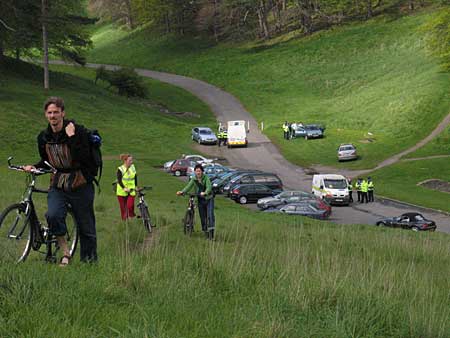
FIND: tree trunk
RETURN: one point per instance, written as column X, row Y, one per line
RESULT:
column 45, row 43
column 17, row 54
column 411, row 5
column 129, row 15
column 167, row 22
column 216, row 21
column 262, row 18
column 369, row 9
column 305, row 15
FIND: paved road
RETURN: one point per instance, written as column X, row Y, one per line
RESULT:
column 262, row 154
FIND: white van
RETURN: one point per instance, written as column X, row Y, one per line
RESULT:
column 237, row 134
column 332, row 188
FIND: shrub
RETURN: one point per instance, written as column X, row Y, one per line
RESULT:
column 126, row 80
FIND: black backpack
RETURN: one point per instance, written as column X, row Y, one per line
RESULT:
column 95, row 143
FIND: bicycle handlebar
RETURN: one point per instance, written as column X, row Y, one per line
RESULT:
column 35, row 171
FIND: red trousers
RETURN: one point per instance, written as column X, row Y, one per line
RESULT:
column 126, row 206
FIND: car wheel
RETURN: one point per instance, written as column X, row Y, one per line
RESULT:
column 380, row 223
column 243, row 200
column 416, row 229
column 177, row 173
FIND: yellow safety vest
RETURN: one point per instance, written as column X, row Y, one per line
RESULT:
column 128, row 180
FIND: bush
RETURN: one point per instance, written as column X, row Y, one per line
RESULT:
column 126, row 80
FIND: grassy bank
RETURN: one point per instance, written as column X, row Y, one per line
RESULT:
column 372, row 77
column 265, row 276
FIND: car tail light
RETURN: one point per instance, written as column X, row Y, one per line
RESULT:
column 236, row 191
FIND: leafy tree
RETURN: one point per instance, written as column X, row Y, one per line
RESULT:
column 439, row 37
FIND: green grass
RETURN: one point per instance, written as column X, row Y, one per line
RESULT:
column 368, row 77
column 400, row 181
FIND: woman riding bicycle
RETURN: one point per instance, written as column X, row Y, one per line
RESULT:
column 205, row 198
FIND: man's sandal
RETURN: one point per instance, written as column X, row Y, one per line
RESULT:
column 65, row 260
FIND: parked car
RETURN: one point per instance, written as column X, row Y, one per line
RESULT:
column 217, row 185
column 204, row 135
column 196, row 158
column 331, row 187
column 180, row 167
column 410, row 220
column 309, row 131
column 210, row 169
column 285, row 197
column 248, row 193
column 268, row 179
column 303, row 209
column 347, row 152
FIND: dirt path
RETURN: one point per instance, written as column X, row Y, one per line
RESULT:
column 262, row 154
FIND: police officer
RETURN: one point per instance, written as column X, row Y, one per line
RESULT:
column 286, row 130
column 350, row 190
column 358, row 189
column 364, row 191
column 370, row 188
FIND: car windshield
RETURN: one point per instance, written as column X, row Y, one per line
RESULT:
column 205, row 132
column 346, row 148
column 335, row 184
column 311, row 128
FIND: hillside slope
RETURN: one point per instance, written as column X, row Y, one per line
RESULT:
column 372, row 77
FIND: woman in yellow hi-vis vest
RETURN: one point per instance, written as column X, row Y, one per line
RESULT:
column 126, row 186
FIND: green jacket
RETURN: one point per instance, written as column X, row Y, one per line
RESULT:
column 203, row 186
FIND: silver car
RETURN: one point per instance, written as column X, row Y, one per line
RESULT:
column 347, row 152
column 204, row 135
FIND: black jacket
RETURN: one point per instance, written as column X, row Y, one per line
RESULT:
column 78, row 144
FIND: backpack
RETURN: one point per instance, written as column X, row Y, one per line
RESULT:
column 95, row 142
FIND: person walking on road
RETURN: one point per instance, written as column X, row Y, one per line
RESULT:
column 126, row 186
column 350, row 190
column 370, row 188
column 65, row 145
column 364, row 191
column 358, row 189
column 205, row 199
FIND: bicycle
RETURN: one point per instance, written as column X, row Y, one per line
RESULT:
column 189, row 217
column 143, row 209
column 21, row 230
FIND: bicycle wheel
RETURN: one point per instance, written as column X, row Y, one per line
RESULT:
column 72, row 234
column 188, row 223
column 15, row 233
column 145, row 215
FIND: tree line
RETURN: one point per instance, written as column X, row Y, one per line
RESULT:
column 235, row 19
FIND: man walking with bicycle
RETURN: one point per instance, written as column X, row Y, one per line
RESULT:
column 205, row 197
column 65, row 145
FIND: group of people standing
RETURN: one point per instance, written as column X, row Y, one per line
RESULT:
column 289, row 129
column 364, row 190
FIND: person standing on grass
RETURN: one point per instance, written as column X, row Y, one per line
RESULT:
column 126, row 186
column 286, row 130
column 205, row 199
column 65, row 145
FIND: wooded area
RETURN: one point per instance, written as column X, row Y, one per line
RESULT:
column 245, row 19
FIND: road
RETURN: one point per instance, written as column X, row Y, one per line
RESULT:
column 263, row 155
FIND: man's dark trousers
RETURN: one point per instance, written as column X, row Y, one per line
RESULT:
column 82, row 202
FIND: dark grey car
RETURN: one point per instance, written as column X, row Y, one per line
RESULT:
column 285, row 197
column 309, row 131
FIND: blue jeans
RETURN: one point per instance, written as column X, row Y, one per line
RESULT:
column 206, row 210
column 82, row 202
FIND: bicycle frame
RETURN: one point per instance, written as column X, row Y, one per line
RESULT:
column 39, row 233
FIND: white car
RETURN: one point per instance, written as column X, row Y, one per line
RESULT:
column 196, row 158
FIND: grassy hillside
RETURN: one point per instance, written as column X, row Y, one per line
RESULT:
column 265, row 276
column 372, row 77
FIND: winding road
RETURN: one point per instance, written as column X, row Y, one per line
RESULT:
column 263, row 155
